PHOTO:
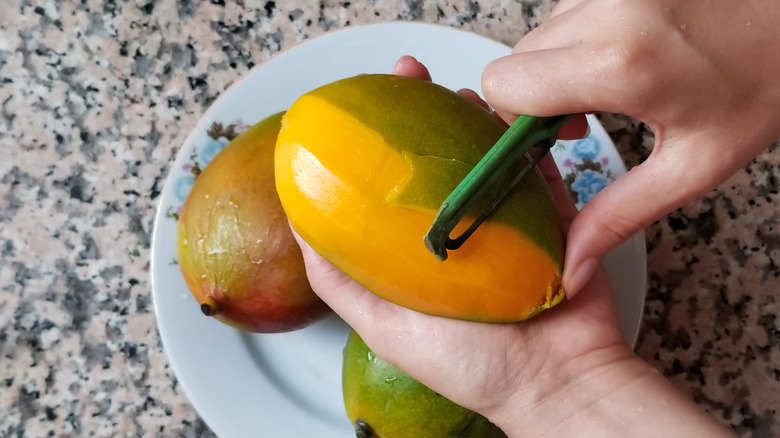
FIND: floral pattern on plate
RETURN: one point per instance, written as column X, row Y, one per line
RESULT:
column 587, row 166
column 219, row 135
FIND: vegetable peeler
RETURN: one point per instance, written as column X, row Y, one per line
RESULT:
column 483, row 180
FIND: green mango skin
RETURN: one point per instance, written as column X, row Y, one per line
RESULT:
column 385, row 402
column 235, row 248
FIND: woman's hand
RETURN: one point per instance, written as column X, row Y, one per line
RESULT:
column 703, row 75
column 483, row 366
column 566, row 372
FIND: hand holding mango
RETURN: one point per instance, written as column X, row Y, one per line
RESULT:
column 697, row 73
column 556, row 374
column 456, row 357
column 362, row 165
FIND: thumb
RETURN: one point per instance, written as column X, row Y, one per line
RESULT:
column 527, row 83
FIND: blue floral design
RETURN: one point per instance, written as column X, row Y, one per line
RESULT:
column 587, row 149
column 587, row 184
column 211, row 149
column 182, row 187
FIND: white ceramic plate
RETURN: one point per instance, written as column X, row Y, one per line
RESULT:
column 287, row 385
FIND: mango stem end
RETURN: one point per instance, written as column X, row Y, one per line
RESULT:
column 363, row 430
column 210, row 307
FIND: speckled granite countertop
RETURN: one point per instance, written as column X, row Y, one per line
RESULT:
column 97, row 97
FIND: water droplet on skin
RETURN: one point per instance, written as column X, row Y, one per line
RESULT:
column 683, row 27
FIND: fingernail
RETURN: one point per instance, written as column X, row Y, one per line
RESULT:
column 575, row 281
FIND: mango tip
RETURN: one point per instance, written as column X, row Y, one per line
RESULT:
column 210, row 307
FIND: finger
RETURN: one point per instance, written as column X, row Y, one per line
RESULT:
column 411, row 67
column 473, row 96
column 551, row 82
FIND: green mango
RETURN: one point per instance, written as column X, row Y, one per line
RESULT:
column 384, row 402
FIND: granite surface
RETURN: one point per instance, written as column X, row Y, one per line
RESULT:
column 96, row 98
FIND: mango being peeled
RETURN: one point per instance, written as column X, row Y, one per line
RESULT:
column 384, row 402
column 235, row 248
column 362, row 166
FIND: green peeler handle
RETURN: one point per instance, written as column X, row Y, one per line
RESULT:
column 525, row 132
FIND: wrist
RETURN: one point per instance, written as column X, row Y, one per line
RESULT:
column 561, row 393
column 607, row 393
